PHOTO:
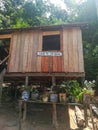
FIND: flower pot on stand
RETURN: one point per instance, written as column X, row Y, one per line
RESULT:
column 53, row 97
column 45, row 99
column 62, row 97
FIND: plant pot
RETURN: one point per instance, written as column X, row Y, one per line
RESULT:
column 53, row 97
column 62, row 97
column 86, row 99
column 34, row 96
column 25, row 95
column 45, row 99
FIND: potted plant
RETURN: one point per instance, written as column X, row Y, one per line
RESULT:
column 89, row 87
column 25, row 92
column 45, row 97
column 34, row 93
column 62, row 92
column 53, row 94
column 88, row 91
column 72, row 89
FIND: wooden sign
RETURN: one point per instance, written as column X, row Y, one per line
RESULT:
column 49, row 53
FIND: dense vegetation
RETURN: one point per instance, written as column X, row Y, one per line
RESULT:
column 26, row 13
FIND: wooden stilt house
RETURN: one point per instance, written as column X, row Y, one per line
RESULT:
column 43, row 53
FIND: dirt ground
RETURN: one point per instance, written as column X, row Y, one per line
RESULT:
column 39, row 117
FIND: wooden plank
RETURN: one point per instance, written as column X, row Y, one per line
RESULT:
column 55, row 64
column 72, row 119
column 13, row 53
column 45, row 64
column 30, row 52
column 50, row 65
column 42, row 64
column 51, row 33
column 34, row 49
column 21, row 49
column 80, row 51
column 59, row 64
column 74, row 74
column 61, row 49
column 70, row 51
column 5, row 36
column 75, row 50
column 17, row 52
column 10, row 51
column 39, row 49
column 25, row 52
column 65, row 50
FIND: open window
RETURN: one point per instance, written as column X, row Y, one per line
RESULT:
column 51, row 42
column 4, row 52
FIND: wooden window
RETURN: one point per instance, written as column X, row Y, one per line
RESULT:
column 51, row 42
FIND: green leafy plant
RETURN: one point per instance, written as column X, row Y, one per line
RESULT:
column 89, row 87
column 73, row 88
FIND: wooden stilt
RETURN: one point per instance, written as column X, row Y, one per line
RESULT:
column 24, row 103
column 82, row 81
column 25, row 111
column 26, row 81
column 20, row 114
column 53, row 80
column 0, row 94
column 55, row 122
column 1, row 82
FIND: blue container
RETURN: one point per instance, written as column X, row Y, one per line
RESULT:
column 53, row 97
column 25, row 95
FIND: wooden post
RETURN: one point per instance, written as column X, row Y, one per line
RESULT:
column 1, row 81
column 0, row 94
column 92, row 117
column 55, row 122
column 82, row 81
column 20, row 114
column 25, row 111
column 24, row 103
column 26, row 80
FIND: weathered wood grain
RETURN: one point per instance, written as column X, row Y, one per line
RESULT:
column 39, row 49
column 25, row 45
column 80, row 51
column 75, row 50
column 70, row 51
column 65, row 50
column 13, row 53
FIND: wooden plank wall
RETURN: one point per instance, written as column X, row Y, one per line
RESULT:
column 23, row 57
column 72, row 50
column 25, row 44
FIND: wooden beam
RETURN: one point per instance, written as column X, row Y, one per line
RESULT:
column 4, row 36
column 18, row 74
column 51, row 33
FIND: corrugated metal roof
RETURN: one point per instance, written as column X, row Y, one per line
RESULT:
column 44, row 28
